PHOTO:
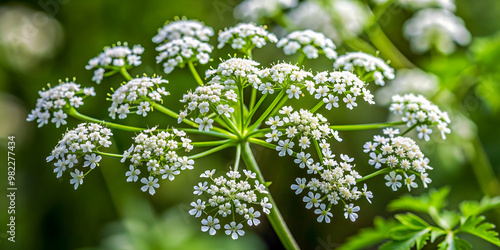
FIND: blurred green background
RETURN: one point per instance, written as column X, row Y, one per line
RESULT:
column 108, row 213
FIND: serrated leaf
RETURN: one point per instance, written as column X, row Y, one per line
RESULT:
column 414, row 237
column 436, row 198
column 370, row 236
column 411, row 221
column 472, row 208
column 475, row 225
column 452, row 242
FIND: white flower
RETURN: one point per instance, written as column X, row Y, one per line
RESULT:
column 199, row 206
column 393, row 180
column 59, row 117
column 244, row 36
column 210, row 224
column 77, row 178
column 324, row 213
column 312, row 200
column 234, row 230
column 299, row 187
column 205, row 124
column 350, row 212
column 410, row 182
column 367, row 194
column 293, row 91
column 133, row 174
column 183, row 28
column 284, row 147
column 266, row 205
column 350, row 101
column 200, row 188
column 151, row 183
column 92, row 160
column 424, row 132
column 252, row 216
column 376, row 160
column 425, row 180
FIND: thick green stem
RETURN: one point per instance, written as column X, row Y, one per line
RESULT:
column 366, row 126
column 253, row 97
column 195, row 73
column 275, row 217
column 301, row 60
column 72, row 111
column 237, row 157
column 125, row 73
column 315, row 108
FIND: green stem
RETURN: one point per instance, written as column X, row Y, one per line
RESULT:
column 109, row 154
column 242, row 106
column 279, row 106
column 315, row 108
column 261, row 143
column 125, row 73
column 275, row 217
column 211, row 151
column 254, row 109
column 210, row 133
column 366, row 126
column 379, row 172
column 237, row 157
column 195, row 73
column 409, row 129
column 387, row 48
column 301, row 60
column 209, row 143
column 268, row 110
column 72, row 111
column 253, row 97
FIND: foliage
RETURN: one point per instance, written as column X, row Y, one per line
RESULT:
column 414, row 229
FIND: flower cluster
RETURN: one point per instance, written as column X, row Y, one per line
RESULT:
column 330, row 85
column 438, row 28
column 256, row 10
column 183, row 28
column 365, row 65
column 284, row 76
column 235, row 71
column 157, row 152
column 227, row 198
column 180, row 51
column 309, row 43
column 399, row 153
column 207, row 98
column 322, row 22
column 137, row 93
column 55, row 100
column 307, row 127
column 245, row 36
column 420, row 112
column 336, row 182
column 81, row 142
column 113, row 58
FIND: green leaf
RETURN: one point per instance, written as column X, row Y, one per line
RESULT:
column 474, row 225
column 407, row 238
column 452, row 242
column 448, row 219
column 411, row 221
column 370, row 236
column 436, row 198
column 472, row 208
column 436, row 233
